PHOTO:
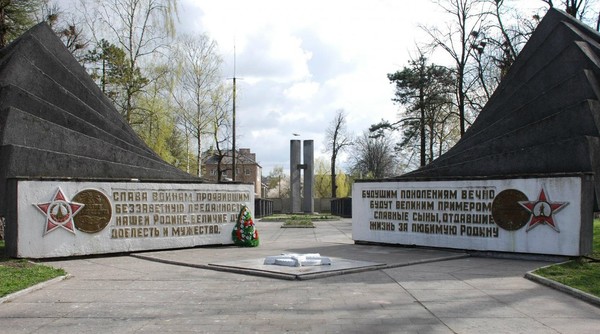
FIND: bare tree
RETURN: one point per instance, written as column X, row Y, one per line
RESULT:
column 337, row 139
column 279, row 185
column 141, row 28
column 374, row 157
column 494, row 49
column 456, row 40
column 198, row 80
column 221, row 128
column 572, row 7
column 67, row 26
column 580, row 9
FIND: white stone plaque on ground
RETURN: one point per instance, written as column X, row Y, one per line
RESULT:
column 57, row 219
column 530, row 215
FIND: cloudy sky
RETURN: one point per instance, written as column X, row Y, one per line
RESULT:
column 298, row 62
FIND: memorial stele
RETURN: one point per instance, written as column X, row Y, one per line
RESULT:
column 74, row 177
column 524, row 178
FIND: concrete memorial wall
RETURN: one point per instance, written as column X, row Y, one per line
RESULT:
column 57, row 219
column 524, row 177
column 67, row 161
column 532, row 215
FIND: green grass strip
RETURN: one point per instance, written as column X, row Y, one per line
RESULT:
column 582, row 273
column 292, row 217
column 19, row 274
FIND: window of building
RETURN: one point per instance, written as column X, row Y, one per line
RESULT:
column 247, row 171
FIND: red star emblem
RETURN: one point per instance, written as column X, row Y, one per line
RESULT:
column 59, row 212
column 542, row 211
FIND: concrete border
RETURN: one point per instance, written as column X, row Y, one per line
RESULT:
column 589, row 298
column 294, row 276
column 36, row 287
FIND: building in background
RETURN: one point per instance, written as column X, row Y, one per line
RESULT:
column 247, row 169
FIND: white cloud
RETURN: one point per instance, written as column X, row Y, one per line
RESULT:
column 302, row 90
column 279, row 57
column 300, row 61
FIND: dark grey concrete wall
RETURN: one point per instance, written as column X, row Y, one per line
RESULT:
column 56, row 122
column 544, row 118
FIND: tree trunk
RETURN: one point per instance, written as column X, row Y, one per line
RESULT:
column 199, row 169
column 3, row 27
column 422, row 127
column 461, row 103
column 333, row 183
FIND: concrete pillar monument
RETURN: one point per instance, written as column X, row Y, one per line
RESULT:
column 308, row 205
column 295, row 177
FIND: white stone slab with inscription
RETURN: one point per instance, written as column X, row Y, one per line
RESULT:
column 57, row 219
column 529, row 215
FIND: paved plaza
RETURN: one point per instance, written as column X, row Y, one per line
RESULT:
column 400, row 290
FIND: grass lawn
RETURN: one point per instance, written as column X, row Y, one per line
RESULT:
column 19, row 274
column 297, row 217
column 298, row 220
column 582, row 273
column 297, row 223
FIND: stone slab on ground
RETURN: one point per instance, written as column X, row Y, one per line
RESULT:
column 338, row 266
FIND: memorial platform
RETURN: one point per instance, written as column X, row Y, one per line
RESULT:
column 346, row 258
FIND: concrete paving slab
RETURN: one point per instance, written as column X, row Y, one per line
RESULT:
column 22, row 325
column 129, row 294
column 489, row 308
column 492, row 325
column 572, row 326
column 95, row 325
column 438, row 295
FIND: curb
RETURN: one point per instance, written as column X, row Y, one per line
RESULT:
column 14, row 295
column 589, row 298
column 299, row 277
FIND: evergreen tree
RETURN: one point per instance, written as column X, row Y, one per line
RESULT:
column 141, row 29
column 16, row 16
column 426, row 93
column 176, row 146
column 108, row 65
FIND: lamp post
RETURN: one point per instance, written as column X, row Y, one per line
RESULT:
column 233, row 150
column 233, row 165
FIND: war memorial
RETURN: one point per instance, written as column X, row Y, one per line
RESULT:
column 524, row 177
column 74, row 177
column 75, row 180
